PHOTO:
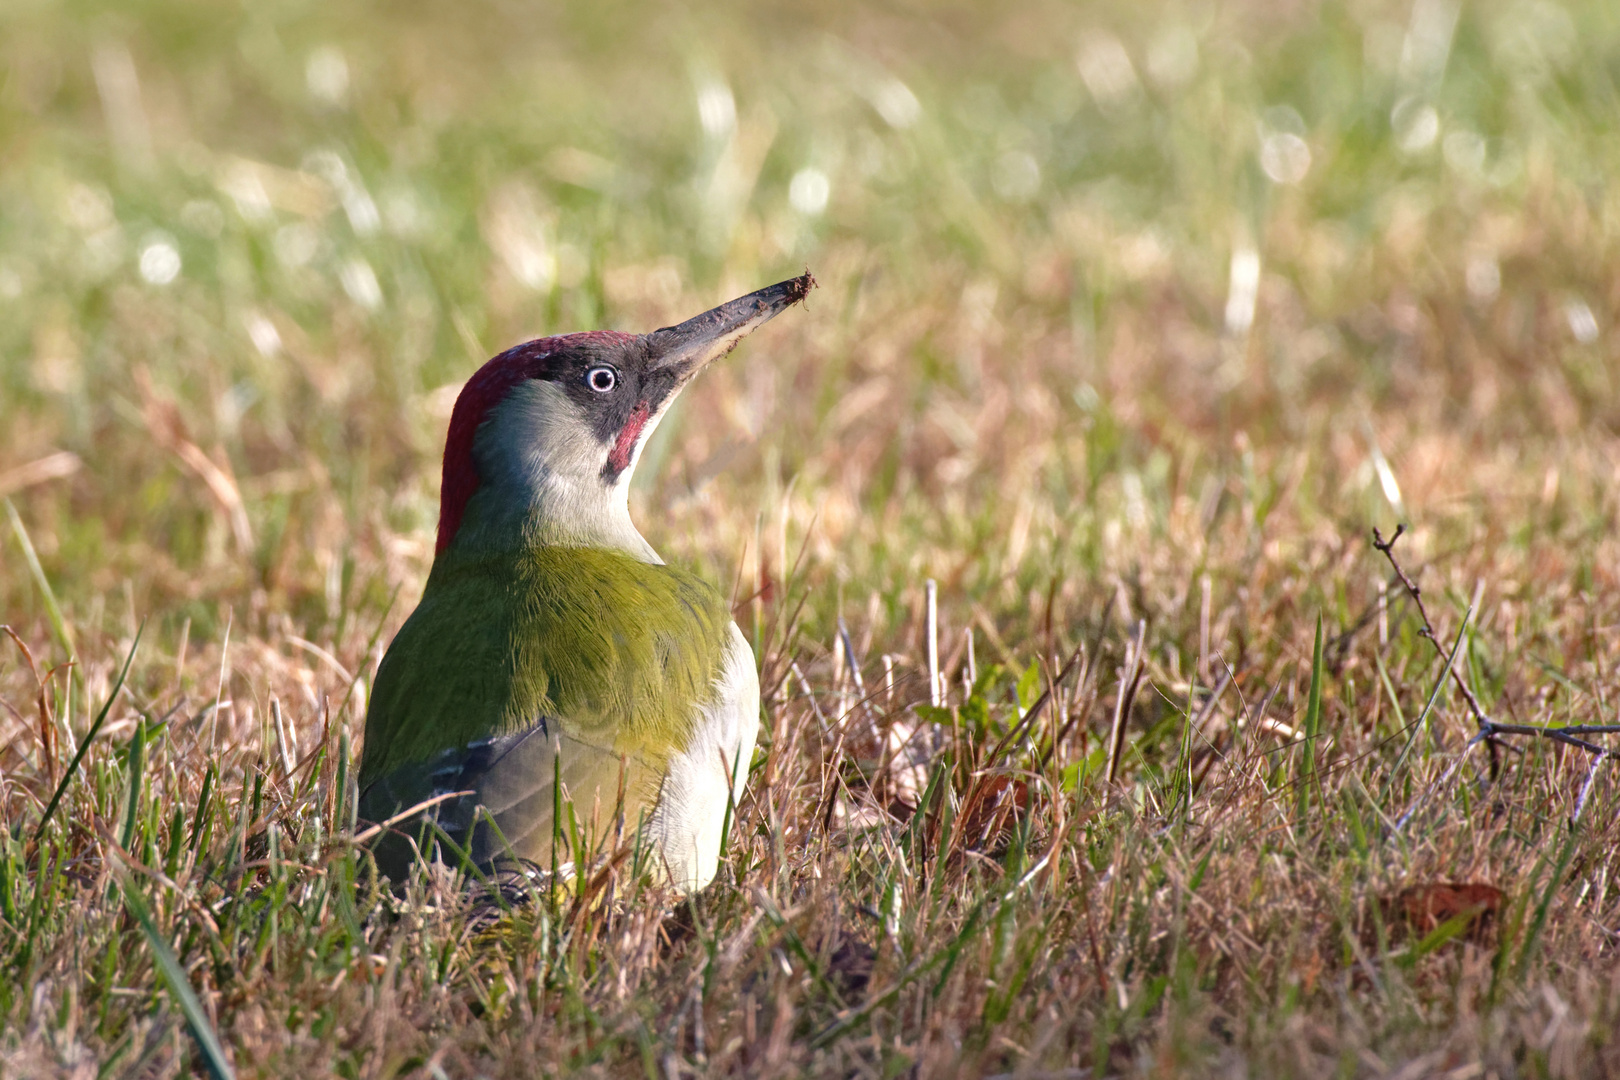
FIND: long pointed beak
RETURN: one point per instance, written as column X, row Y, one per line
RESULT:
column 695, row 343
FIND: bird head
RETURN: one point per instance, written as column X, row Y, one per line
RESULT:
column 544, row 438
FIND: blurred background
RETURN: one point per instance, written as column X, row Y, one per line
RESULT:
column 1114, row 297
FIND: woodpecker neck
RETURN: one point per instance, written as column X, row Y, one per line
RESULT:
column 541, row 482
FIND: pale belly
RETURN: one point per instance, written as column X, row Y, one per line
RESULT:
column 707, row 778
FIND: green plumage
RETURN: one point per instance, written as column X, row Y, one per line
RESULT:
column 612, row 654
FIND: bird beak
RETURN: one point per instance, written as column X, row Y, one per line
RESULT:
column 690, row 347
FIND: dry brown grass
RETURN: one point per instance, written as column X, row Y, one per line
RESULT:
column 1036, row 398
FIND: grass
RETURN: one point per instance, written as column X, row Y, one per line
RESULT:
column 1132, row 316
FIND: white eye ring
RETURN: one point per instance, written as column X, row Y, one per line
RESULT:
column 602, row 379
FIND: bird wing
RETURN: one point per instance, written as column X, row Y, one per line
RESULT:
column 578, row 665
column 509, row 811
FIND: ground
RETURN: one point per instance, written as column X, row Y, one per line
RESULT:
column 1098, row 737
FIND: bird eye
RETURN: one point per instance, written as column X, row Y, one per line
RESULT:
column 601, row 379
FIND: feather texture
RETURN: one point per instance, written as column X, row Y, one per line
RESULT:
column 514, row 668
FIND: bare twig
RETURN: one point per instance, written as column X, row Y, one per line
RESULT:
column 1491, row 731
column 1387, row 546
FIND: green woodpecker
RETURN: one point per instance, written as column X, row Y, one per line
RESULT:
column 551, row 642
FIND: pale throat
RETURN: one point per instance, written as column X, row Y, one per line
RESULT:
column 541, row 479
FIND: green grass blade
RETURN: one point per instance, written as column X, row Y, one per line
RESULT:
column 340, row 798
column 202, row 814
column 174, row 976
column 464, row 860
column 89, row 736
column 1422, row 721
column 1306, row 777
column 1538, row 921
column 53, row 611
column 137, row 769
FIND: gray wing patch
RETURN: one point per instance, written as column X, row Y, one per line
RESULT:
column 512, row 780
